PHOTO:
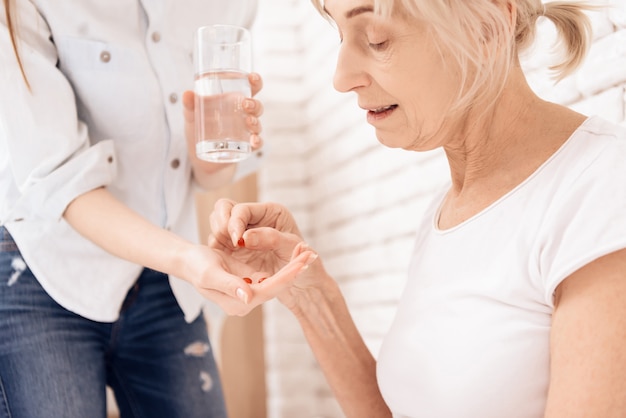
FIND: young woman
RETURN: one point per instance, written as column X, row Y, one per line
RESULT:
column 514, row 303
column 102, row 280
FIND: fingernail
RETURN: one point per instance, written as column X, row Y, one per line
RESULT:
column 248, row 104
column 242, row 295
column 310, row 259
column 255, row 76
column 304, row 247
column 255, row 141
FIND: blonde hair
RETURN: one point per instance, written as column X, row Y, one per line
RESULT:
column 13, row 34
column 462, row 28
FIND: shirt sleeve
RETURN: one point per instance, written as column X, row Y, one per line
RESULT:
column 587, row 219
column 49, row 160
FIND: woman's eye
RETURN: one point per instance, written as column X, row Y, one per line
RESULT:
column 379, row 46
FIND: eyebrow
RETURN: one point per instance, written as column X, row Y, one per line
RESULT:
column 354, row 12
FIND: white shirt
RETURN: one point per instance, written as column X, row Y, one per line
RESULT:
column 107, row 79
column 471, row 335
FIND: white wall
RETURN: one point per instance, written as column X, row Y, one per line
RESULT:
column 358, row 202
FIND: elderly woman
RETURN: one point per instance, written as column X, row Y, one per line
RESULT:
column 514, row 301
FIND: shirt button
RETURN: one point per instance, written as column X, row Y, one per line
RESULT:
column 173, row 98
column 175, row 163
column 110, row 159
column 156, row 36
column 105, row 56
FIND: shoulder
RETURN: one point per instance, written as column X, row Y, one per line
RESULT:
column 585, row 214
column 597, row 126
column 592, row 159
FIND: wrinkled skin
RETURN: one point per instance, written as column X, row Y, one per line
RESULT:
column 271, row 239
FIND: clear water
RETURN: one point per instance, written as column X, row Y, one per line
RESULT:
column 221, row 132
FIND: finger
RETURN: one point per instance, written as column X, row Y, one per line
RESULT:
column 265, row 287
column 297, row 265
column 188, row 105
column 270, row 239
column 232, row 279
column 265, row 238
column 253, row 107
column 256, row 83
column 249, row 216
column 222, row 244
column 253, row 124
column 228, row 284
column 219, row 220
column 256, row 142
column 230, row 305
column 264, row 214
column 299, row 249
column 239, row 220
column 213, row 243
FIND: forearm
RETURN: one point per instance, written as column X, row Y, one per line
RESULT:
column 341, row 352
column 107, row 222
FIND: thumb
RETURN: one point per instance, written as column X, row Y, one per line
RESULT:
column 270, row 239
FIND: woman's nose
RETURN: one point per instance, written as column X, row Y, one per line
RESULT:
column 350, row 72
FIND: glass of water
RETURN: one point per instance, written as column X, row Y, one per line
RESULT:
column 223, row 60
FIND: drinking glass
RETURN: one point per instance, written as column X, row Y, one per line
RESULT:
column 222, row 60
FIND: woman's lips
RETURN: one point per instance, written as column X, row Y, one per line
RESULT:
column 380, row 113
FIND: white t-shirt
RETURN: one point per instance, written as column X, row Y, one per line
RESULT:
column 471, row 334
column 104, row 109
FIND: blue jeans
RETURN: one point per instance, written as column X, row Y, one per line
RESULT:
column 54, row 363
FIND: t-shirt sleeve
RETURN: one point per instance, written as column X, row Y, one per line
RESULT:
column 587, row 219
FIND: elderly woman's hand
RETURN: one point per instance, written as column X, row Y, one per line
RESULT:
column 265, row 237
column 229, row 282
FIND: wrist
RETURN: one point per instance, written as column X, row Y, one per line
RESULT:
column 213, row 175
column 179, row 264
column 308, row 301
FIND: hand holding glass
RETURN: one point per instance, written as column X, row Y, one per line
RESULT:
column 223, row 59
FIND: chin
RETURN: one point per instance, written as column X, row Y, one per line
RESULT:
column 390, row 141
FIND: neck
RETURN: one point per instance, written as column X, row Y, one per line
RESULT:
column 492, row 152
column 515, row 135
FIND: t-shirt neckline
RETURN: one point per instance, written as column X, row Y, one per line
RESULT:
column 497, row 202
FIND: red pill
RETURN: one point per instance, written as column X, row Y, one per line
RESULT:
column 247, row 280
column 241, row 242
